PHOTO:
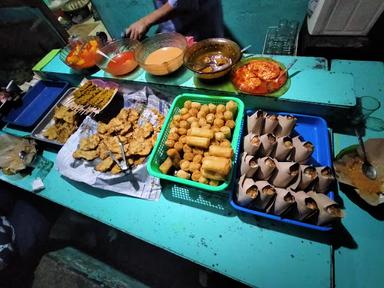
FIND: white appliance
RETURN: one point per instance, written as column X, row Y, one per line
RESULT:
column 343, row 17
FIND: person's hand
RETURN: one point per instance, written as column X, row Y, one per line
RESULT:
column 137, row 30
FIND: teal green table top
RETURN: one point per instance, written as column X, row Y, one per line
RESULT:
column 205, row 229
column 361, row 264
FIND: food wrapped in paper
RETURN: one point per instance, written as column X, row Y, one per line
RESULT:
column 255, row 122
column 248, row 165
column 285, row 173
column 246, row 190
column 307, row 176
column 283, row 148
column 283, row 201
column 270, row 123
column 268, row 144
column 325, row 179
column 286, row 123
column 15, row 153
column 329, row 210
column 303, row 150
column 266, row 167
column 266, row 195
column 306, row 206
column 252, row 143
column 348, row 168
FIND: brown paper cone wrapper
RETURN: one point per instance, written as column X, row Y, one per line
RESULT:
column 324, row 182
column 283, row 152
column 302, row 211
column 283, row 175
column 265, row 170
column 255, row 122
column 282, row 202
column 267, row 146
column 301, row 154
column 286, row 123
column 249, row 147
column 324, row 202
column 270, row 123
column 245, row 167
column 243, row 185
column 304, row 180
column 263, row 200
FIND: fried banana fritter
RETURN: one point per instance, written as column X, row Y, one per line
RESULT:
column 87, row 155
column 104, row 165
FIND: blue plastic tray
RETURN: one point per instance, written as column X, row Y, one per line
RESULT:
column 36, row 102
column 315, row 130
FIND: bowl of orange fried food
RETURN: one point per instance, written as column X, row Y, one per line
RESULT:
column 259, row 76
column 81, row 53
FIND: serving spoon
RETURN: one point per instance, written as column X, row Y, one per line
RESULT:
column 289, row 66
column 367, row 168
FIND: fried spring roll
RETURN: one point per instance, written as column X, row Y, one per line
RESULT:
column 283, row 201
column 303, row 150
column 212, row 175
column 286, row 123
column 270, row 123
column 219, row 165
column 166, row 165
column 246, row 190
column 307, row 176
column 266, row 167
column 200, row 142
column 202, row 132
column 252, row 144
column 255, row 122
column 283, row 148
column 306, row 206
column 285, row 173
column 329, row 210
column 326, row 178
column 266, row 195
column 220, row 151
column 248, row 165
column 268, row 143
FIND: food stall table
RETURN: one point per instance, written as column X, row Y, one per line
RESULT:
column 203, row 227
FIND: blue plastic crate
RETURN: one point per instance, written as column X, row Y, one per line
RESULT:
column 36, row 102
column 315, row 130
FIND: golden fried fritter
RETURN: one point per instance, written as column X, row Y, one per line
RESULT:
column 89, row 143
column 87, row 155
column 105, row 165
column 115, row 169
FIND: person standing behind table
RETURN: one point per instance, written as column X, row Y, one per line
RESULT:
column 200, row 19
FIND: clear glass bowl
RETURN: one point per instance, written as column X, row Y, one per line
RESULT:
column 121, row 54
column 157, row 42
column 80, row 54
column 194, row 57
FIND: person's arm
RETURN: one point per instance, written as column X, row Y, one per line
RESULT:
column 139, row 28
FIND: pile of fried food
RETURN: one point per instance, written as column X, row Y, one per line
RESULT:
column 65, row 125
column 199, row 142
column 90, row 94
column 122, row 131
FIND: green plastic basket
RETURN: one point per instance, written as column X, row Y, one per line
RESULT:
column 159, row 152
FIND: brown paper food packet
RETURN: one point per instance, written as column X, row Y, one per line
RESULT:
column 284, row 148
column 284, row 200
column 270, row 123
column 286, row 123
column 248, row 165
column 307, row 177
column 326, row 178
column 266, row 167
column 251, row 144
column 266, row 195
column 284, row 174
column 329, row 210
column 246, row 190
column 255, row 122
column 305, row 206
column 268, row 144
column 303, row 150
